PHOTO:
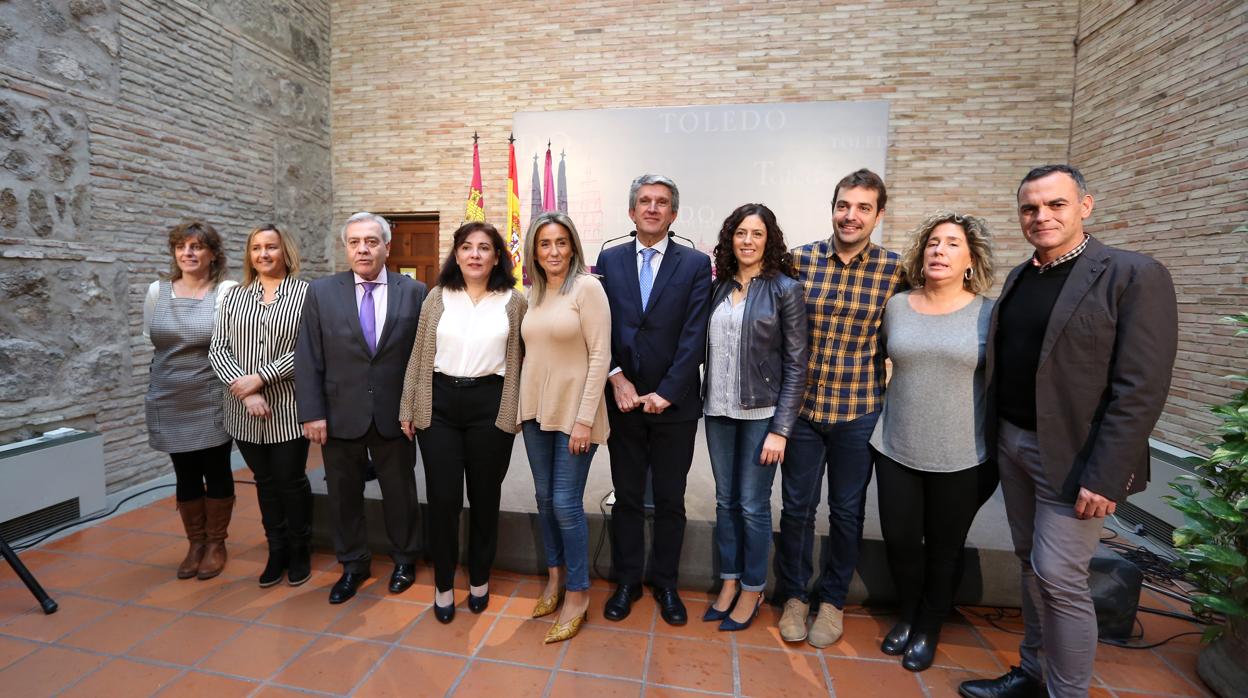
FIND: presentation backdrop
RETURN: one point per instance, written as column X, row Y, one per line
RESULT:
column 787, row 156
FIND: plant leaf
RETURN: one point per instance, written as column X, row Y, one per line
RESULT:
column 1221, row 604
column 1221, row 509
column 1218, row 555
column 1212, row 633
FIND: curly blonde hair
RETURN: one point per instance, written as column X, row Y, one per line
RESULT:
column 978, row 241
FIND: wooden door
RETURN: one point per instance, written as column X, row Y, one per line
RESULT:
column 414, row 247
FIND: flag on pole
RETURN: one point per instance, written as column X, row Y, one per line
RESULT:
column 535, row 209
column 562, row 197
column 513, row 214
column 475, row 210
column 548, row 184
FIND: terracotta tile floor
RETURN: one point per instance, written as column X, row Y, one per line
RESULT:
column 126, row 627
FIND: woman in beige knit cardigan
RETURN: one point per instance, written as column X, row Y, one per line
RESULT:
column 459, row 398
column 567, row 339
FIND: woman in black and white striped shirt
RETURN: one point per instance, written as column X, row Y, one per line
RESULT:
column 253, row 345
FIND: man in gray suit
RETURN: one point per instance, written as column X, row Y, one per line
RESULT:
column 1079, row 357
column 355, row 339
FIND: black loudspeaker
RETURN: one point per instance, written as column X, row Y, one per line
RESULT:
column 1115, row 584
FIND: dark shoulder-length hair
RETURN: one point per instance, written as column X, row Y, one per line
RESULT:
column 208, row 237
column 776, row 257
column 451, row 277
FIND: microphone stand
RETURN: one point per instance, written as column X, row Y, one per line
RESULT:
column 49, row 606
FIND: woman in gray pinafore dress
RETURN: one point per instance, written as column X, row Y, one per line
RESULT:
column 183, row 402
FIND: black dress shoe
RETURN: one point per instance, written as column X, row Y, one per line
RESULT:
column 921, row 651
column 477, row 604
column 895, row 641
column 444, row 614
column 670, row 606
column 1016, row 684
column 346, row 586
column 621, row 602
column 402, row 577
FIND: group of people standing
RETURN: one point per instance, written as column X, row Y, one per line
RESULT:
column 1051, row 390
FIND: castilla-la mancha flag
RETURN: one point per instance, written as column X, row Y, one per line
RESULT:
column 514, row 242
column 475, row 210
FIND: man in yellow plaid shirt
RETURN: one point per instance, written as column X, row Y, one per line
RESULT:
column 847, row 280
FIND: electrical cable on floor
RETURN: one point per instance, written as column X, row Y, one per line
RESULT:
column 102, row 515
column 602, row 535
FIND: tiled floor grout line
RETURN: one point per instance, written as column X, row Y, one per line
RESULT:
column 736, row 667
column 827, row 675
column 397, row 643
column 554, row 670
column 126, row 565
column 1175, row 670
column 473, row 656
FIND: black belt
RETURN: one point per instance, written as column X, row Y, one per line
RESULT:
column 458, row 382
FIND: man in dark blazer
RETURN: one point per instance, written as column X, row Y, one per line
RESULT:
column 1079, row 359
column 659, row 292
column 354, row 342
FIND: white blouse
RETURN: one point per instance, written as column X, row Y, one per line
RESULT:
column 472, row 339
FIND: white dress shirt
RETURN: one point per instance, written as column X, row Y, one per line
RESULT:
column 472, row 339
column 379, row 298
column 656, row 260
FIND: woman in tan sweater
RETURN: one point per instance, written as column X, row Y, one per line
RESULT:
column 563, row 412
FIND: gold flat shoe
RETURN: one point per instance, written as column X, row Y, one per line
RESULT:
column 547, row 605
column 566, row 631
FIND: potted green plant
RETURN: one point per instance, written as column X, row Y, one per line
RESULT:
column 1213, row 542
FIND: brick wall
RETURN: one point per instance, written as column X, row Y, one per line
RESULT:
column 119, row 118
column 979, row 91
column 1159, row 130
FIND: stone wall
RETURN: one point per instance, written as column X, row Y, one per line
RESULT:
column 1159, row 129
column 119, row 118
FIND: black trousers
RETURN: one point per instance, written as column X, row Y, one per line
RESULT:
column 924, row 517
column 638, row 444
column 462, row 445
column 282, row 487
column 205, row 471
column 395, row 463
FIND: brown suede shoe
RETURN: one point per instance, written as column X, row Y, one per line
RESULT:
column 793, row 621
column 217, row 514
column 828, row 627
column 193, row 521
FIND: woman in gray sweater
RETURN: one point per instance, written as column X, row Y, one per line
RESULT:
column 933, row 469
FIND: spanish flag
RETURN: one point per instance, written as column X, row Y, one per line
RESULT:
column 475, row 210
column 514, row 243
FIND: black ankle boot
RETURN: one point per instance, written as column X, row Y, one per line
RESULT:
column 274, row 568
column 921, row 651
column 300, row 566
column 896, row 640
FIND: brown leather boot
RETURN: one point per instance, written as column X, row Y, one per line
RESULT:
column 193, row 521
column 217, row 513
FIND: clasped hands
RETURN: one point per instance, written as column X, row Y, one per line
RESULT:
column 627, row 399
column 247, row 388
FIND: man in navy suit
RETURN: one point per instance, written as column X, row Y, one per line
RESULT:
column 659, row 292
column 355, row 339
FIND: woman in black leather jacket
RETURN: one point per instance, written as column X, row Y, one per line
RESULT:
column 755, row 377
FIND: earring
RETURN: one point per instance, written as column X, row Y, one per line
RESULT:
column 968, row 273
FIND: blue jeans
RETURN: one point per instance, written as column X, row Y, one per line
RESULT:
column 742, row 498
column 559, row 481
column 843, row 450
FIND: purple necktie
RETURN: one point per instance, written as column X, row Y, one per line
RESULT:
column 368, row 317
